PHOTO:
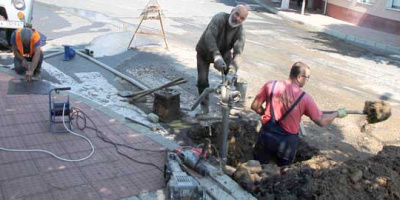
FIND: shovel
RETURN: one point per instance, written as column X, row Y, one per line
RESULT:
column 376, row 111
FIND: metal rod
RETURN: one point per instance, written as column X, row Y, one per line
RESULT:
column 225, row 131
column 52, row 54
column 129, row 79
column 357, row 112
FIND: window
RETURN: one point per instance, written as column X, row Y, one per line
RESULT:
column 395, row 4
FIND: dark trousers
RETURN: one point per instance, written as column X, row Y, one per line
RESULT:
column 21, row 70
column 203, row 68
column 282, row 147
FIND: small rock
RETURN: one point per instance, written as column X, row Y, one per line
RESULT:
column 357, row 186
column 270, row 169
column 397, row 195
column 229, row 170
column 314, row 166
column 254, row 166
column 381, row 181
column 317, row 174
column 356, row 176
column 326, row 164
column 256, row 178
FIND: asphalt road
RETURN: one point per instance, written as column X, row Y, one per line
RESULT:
column 341, row 75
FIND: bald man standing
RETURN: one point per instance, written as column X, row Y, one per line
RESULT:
column 223, row 34
column 26, row 45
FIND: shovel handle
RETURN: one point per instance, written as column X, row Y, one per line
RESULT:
column 356, row 112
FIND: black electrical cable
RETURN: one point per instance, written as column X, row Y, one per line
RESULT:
column 103, row 137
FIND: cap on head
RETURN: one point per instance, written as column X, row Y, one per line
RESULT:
column 26, row 35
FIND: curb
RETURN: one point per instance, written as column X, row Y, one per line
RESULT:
column 352, row 39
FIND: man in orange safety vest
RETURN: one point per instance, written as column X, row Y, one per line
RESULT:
column 26, row 45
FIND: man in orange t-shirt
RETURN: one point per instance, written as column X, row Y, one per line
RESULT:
column 281, row 119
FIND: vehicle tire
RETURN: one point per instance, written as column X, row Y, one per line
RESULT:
column 5, row 36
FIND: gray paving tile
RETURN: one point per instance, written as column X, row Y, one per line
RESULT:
column 12, row 142
column 131, row 167
column 102, row 171
column 112, row 154
column 21, row 109
column 8, row 131
column 17, row 100
column 10, row 157
column 55, row 148
column 102, row 120
column 36, row 99
column 83, row 192
column 65, row 178
column 100, row 144
column 51, row 164
column 119, row 129
column 6, row 120
column 135, row 138
column 30, row 128
column 97, row 157
column 38, row 139
column 28, row 118
column 62, row 137
column 17, row 170
column 22, row 187
column 43, row 196
column 76, row 145
column 148, row 181
column 116, row 188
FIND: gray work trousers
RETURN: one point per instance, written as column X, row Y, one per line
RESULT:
column 203, row 68
column 21, row 70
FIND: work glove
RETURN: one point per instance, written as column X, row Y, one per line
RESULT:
column 232, row 78
column 219, row 63
column 341, row 112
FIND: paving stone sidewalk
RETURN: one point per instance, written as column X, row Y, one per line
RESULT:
column 348, row 32
column 24, row 124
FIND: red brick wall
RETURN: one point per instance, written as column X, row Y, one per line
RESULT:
column 363, row 19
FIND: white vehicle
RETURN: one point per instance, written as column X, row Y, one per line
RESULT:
column 15, row 14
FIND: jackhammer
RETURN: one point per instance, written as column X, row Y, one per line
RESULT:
column 180, row 185
column 229, row 95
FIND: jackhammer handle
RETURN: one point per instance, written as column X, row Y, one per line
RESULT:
column 355, row 112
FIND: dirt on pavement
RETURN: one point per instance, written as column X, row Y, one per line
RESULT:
column 312, row 176
column 375, row 178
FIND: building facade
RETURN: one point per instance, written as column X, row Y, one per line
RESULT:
column 381, row 15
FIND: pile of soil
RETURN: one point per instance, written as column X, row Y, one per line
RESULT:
column 312, row 176
column 374, row 178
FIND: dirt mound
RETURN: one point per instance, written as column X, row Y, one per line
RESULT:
column 374, row 178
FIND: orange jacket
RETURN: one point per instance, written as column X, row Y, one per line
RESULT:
column 34, row 39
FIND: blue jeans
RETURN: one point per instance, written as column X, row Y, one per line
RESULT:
column 269, row 145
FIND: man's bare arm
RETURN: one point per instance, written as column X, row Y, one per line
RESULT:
column 325, row 119
column 20, row 57
column 35, row 59
column 257, row 106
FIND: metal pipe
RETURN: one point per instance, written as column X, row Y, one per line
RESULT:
column 129, row 79
column 52, row 54
column 200, row 99
column 326, row 4
column 225, row 130
column 303, row 7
